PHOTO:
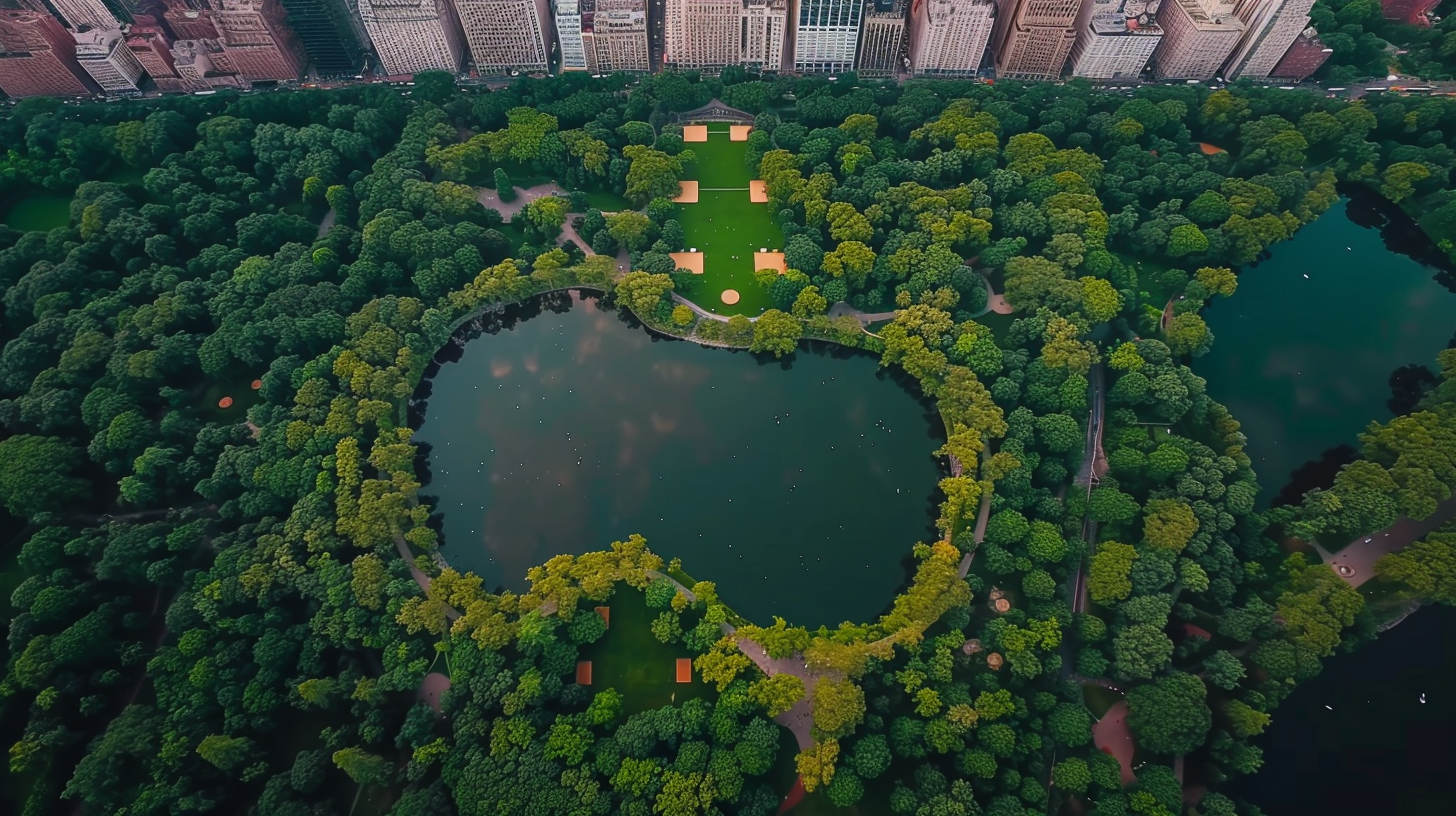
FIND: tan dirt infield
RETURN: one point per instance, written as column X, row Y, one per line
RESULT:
column 691, row 261
column 730, row 296
column 695, row 133
column 769, row 260
column 687, row 193
column 757, row 192
column 738, row 133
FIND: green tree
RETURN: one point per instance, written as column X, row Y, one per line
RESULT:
column 1170, row 715
column 1141, row 651
column 776, row 332
column 224, row 752
column 777, row 693
column 35, row 475
column 838, row 707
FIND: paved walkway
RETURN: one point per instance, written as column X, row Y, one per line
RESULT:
column 840, row 309
column 569, row 233
column 1112, row 737
column 508, row 209
column 330, row 218
column 799, row 719
column 1356, row 562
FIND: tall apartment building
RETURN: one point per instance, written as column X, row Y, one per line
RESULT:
column 1272, row 26
column 709, row 34
column 764, row 26
column 1033, row 37
column 569, row 16
column 614, row 35
column 949, row 37
column 149, row 43
column 1198, row 36
column 1305, row 55
column 81, row 13
column 331, row 33
column 827, row 35
column 882, row 38
column 507, row 35
column 38, row 57
column 257, row 43
column 702, row 33
column 1115, row 39
column 190, row 20
column 103, row 54
column 411, row 36
column 193, row 60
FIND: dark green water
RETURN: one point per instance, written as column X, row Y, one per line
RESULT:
column 1304, row 350
column 36, row 211
column 798, row 488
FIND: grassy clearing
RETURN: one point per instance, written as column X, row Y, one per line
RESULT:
column 241, row 390
column 723, row 225
column 33, row 210
column 608, row 201
column 629, row 659
column 1099, row 698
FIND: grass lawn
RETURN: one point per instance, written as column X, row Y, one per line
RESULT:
column 36, row 210
column 723, row 225
column 1099, row 698
column 629, row 659
column 608, row 201
column 720, row 162
column 241, row 390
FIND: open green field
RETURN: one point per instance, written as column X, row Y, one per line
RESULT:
column 629, row 659
column 724, row 224
column 608, row 201
column 35, row 210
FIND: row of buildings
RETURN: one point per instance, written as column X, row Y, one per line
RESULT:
column 77, row 47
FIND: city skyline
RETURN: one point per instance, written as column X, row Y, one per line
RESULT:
column 174, row 46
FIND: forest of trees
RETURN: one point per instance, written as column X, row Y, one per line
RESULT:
column 212, row 613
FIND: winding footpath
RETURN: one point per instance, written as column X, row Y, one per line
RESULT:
column 1355, row 563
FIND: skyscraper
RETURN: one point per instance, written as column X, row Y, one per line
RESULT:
column 1305, row 55
column 614, row 35
column 193, row 62
column 882, row 39
column 150, row 44
column 411, row 36
column 38, row 57
column 948, row 37
column 1115, row 38
column 331, row 34
column 1198, row 36
column 190, row 20
column 79, row 13
column 764, row 24
column 257, row 44
column 1033, row 37
column 569, row 15
column 507, row 35
column 103, row 54
column 1272, row 26
column 827, row 35
column 702, row 33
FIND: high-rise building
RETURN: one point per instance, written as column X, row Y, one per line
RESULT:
column 1115, row 38
column 1272, row 26
column 827, row 35
column 257, row 44
column 331, row 33
column 507, row 35
column 882, row 38
column 38, row 57
column 702, row 33
column 764, row 24
column 614, row 35
column 949, row 37
column 193, row 60
column 190, row 20
column 1305, row 55
column 1033, row 37
column 81, row 13
column 411, row 36
column 1198, row 36
column 150, row 44
column 569, row 15
column 103, row 54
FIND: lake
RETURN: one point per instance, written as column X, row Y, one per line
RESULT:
column 799, row 487
column 1304, row 350
column 1377, row 748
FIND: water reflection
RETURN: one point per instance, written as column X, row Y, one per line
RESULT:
column 798, row 487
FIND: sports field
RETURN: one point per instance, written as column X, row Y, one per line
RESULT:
column 726, row 227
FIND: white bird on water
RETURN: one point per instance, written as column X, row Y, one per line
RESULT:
column 1423, row 698
column 1332, row 708
column 1306, row 277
